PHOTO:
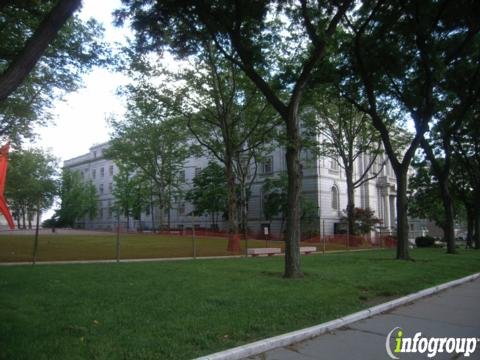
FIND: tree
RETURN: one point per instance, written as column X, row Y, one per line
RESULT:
column 348, row 138
column 424, row 199
column 130, row 193
column 276, row 44
column 77, row 199
column 467, row 169
column 363, row 220
column 246, row 167
column 275, row 201
column 398, row 54
column 153, row 143
column 31, row 184
column 464, row 192
column 209, row 192
column 227, row 117
column 275, row 198
column 41, row 58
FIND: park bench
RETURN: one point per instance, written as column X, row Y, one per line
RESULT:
column 263, row 251
column 307, row 249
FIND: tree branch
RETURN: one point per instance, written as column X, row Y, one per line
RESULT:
column 48, row 29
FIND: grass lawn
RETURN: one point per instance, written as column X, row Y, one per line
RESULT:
column 133, row 246
column 181, row 310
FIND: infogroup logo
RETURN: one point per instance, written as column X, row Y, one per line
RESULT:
column 397, row 343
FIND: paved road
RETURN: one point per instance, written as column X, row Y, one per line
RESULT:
column 454, row 312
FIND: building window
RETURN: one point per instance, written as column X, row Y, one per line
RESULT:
column 94, row 173
column 110, row 170
column 333, row 164
column 334, row 198
column 147, row 210
column 267, row 166
column 197, row 171
column 181, row 209
column 102, row 172
column 181, row 176
column 100, row 189
column 100, row 213
column 110, row 187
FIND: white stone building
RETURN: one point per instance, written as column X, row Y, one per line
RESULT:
column 323, row 183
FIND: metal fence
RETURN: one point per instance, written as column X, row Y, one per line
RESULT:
column 123, row 241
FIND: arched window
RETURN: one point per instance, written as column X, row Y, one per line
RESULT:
column 334, row 198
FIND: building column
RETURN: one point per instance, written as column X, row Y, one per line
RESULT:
column 386, row 209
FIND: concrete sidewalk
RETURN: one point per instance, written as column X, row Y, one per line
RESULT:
column 451, row 313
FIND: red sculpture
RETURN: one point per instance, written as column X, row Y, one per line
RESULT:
column 3, row 177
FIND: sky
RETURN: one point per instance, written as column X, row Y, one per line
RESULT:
column 80, row 118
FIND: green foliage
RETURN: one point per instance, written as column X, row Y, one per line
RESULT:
column 275, row 200
column 131, row 193
column 425, row 241
column 75, row 50
column 424, row 196
column 364, row 221
column 31, row 181
column 152, row 143
column 209, row 192
column 78, row 199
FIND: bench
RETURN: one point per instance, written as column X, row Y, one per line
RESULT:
column 307, row 249
column 264, row 251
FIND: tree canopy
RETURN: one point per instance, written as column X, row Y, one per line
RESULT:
column 78, row 199
column 30, row 83
column 32, row 183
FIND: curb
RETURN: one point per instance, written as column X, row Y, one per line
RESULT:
column 290, row 338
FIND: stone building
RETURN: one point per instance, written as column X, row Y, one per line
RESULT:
column 323, row 183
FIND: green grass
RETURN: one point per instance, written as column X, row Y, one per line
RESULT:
column 133, row 246
column 185, row 309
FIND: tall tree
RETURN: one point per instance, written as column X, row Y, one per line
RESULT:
column 460, row 91
column 467, row 154
column 209, row 192
column 349, row 138
column 398, row 56
column 276, row 44
column 227, row 117
column 131, row 194
column 31, row 184
column 153, row 143
column 78, row 199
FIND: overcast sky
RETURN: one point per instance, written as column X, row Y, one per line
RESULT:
column 80, row 117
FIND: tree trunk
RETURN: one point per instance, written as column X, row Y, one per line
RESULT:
column 233, row 235
column 244, row 205
column 442, row 174
column 294, row 171
column 24, row 219
column 402, row 219
column 449, row 226
column 476, row 235
column 350, row 201
column 470, row 225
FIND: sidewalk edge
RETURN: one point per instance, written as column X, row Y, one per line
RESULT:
column 290, row 338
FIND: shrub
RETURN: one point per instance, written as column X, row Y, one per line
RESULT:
column 425, row 241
